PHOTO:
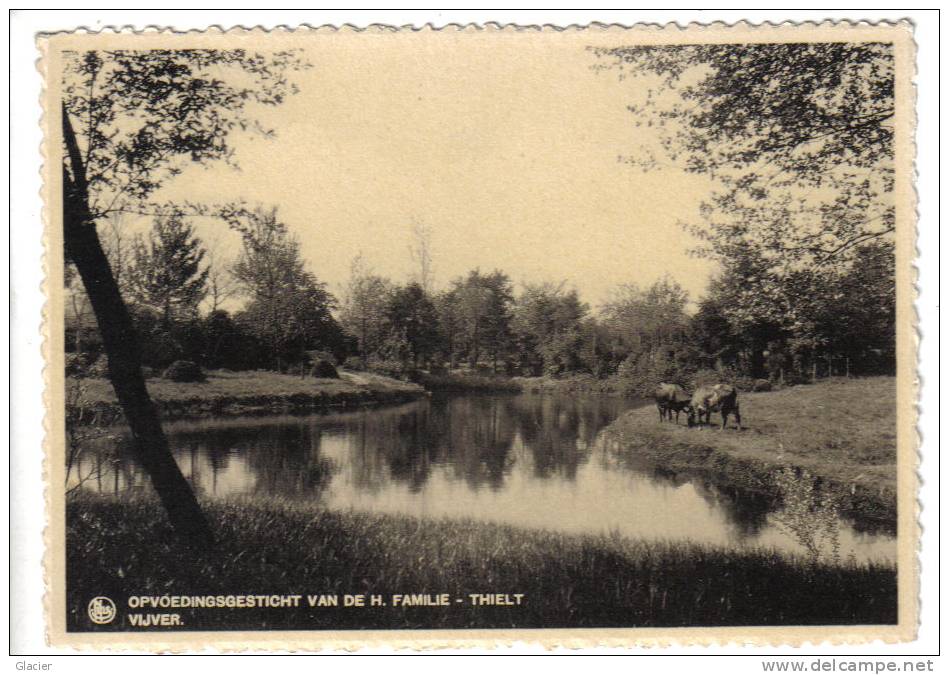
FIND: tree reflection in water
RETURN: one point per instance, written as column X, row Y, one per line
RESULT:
column 747, row 512
column 531, row 460
column 479, row 439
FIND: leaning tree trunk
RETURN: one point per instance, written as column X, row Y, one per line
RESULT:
column 84, row 250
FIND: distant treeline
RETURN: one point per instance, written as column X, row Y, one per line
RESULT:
column 832, row 321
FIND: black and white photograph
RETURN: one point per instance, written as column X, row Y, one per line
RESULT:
column 481, row 330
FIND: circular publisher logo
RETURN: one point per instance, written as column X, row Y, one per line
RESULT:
column 101, row 610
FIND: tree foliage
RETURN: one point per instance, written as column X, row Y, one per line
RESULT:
column 483, row 315
column 141, row 117
column 816, row 313
column 288, row 309
column 799, row 136
column 548, row 322
column 166, row 272
column 643, row 319
column 364, row 309
column 413, row 321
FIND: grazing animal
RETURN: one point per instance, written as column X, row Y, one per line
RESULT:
column 670, row 398
column 721, row 398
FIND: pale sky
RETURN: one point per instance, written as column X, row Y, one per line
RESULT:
column 509, row 155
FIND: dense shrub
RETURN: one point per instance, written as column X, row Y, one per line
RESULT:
column 639, row 374
column 88, row 343
column 388, row 367
column 437, row 369
column 728, row 376
column 75, row 365
column 99, row 367
column 160, row 343
column 744, row 383
column 353, row 363
column 706, row 377
column 226, row 344
column 792, row 378
column 184, row 371
column 415, row 375
column 323, row 368
column 315, row 355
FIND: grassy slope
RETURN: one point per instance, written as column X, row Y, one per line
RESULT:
column 122, row 548
column 249, row 392
column 843, row 431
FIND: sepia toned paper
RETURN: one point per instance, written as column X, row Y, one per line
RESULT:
column 422, row 155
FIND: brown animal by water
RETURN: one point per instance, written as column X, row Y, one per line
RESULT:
column 721, row 398
column 670, row 398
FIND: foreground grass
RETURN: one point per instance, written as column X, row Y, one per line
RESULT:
column 254, row 392
column 843, row 431
column 118, row 549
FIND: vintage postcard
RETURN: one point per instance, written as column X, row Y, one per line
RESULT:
column 594, row 336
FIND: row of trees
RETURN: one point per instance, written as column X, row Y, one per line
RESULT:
column 746, row 325
column 285, row 310
column 483, row 323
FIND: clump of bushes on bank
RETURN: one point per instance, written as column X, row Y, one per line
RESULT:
column 184, row 371
column 324, row 369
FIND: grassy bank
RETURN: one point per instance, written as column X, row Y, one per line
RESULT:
column 226, row 393
column 118, row 549
column 843, row 431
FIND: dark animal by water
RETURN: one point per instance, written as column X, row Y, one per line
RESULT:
column 670, row 398
column 721, row 398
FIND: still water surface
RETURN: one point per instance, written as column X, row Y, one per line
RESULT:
column 526, row 460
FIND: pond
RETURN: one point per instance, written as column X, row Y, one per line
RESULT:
column 539, row 461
